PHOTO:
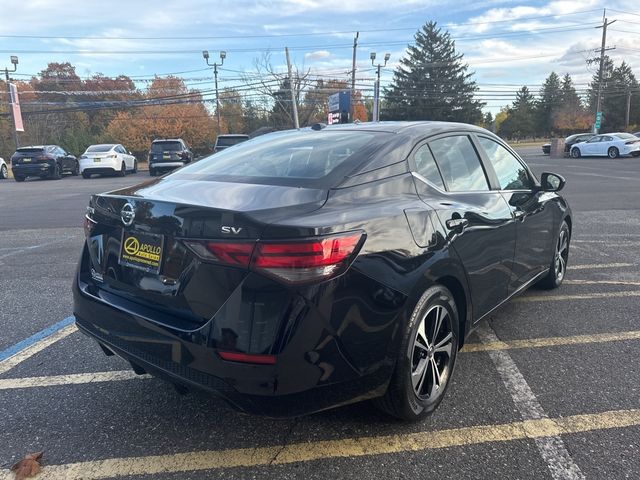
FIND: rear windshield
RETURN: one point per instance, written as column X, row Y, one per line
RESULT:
column 166, row 146
column 301, row 155
column 99, row 148
column 625, row 136
column 30, row 150
column 229, row 141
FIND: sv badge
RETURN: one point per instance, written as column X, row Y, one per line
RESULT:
column 234, row 230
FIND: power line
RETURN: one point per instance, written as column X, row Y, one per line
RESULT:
column 288, row 35
column 549, row 30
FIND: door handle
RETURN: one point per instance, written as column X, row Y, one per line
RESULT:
column 457, row 223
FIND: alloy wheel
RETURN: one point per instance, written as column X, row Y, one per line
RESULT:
column 562, row 254
column 613, row 152
column 4, row 173
column 432, row 353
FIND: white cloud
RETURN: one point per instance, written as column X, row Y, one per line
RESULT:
column 317, row 55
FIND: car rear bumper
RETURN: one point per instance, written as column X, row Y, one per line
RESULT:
column 316, row 368
column 100, row 171
column 111, row 165
column 32, row 169
column 165, row 165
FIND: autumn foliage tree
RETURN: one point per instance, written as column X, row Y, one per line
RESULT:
column 170, row 111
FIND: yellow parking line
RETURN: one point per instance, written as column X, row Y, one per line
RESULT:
column 342, row 448
column 552, row 341
column 582, row 296
column 590, row 266
column 601, row 282
column 31, row 350
column 73, row 379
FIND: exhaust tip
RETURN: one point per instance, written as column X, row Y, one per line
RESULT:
column 137, row 369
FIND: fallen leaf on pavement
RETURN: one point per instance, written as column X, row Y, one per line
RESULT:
column 29, row 466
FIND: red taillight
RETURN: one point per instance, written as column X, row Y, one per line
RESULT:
column 235, row 254
column 294, row 262
column 305, row 261
column 248, row 358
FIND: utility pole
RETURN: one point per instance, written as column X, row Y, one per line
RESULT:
column 352, row 106
column 603, row 48
column 376, row 91
column 626, row 117
column 14, row 61
column 223, row 55
column 296, row 123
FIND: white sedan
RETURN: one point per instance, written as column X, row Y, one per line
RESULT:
column 4, row 171
column 610, row 145
column 108, row 158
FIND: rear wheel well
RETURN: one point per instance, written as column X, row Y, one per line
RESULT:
column 459, row 296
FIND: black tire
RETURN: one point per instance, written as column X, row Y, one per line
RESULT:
column 404, row 399
column 135, row 166
column 18, row 178
column 575, row 153
column 4, row 172
column 123, row 170
column 57, row 172
column 558, row 267
column 76, row 170
column 86, row 175
column 635, row 154
column 152, row 172
column 613, row 152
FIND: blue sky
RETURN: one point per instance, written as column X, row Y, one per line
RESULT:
column 497, row 37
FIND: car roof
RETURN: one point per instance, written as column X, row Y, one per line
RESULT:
column 103, row 145
column 167, row 140
column 242, row 135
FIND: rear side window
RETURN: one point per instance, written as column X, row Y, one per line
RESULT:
column 297, row 155
column 510, row 172
column 426, row 166
column 459, row 164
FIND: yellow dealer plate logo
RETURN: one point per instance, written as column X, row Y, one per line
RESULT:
column 142, row 251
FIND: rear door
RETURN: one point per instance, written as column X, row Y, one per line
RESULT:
column 478, row 220
column 534, row 218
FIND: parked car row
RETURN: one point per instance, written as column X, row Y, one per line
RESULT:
column 52, row 161
column 611, row 145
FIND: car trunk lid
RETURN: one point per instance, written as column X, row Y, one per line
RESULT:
column 139, row 242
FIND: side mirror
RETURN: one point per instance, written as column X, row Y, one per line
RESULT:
column 552, row 182
column 129, row 151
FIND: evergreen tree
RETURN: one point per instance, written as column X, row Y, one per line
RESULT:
column 549, row 103
column 520, row 121
column 432, row 83
column 568, row 95
column 571, row 115
column 619, row 82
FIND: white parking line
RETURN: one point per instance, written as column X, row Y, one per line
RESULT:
column 551, row 448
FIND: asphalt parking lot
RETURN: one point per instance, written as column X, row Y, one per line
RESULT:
column 548, row 388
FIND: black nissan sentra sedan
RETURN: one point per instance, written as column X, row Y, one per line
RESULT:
column 304, row 270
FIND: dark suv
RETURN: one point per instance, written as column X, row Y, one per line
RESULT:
column 168, row 154
column 45, row 161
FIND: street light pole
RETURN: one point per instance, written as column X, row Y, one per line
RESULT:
column 223, row 55
column 376, row 91
column 14, row 61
